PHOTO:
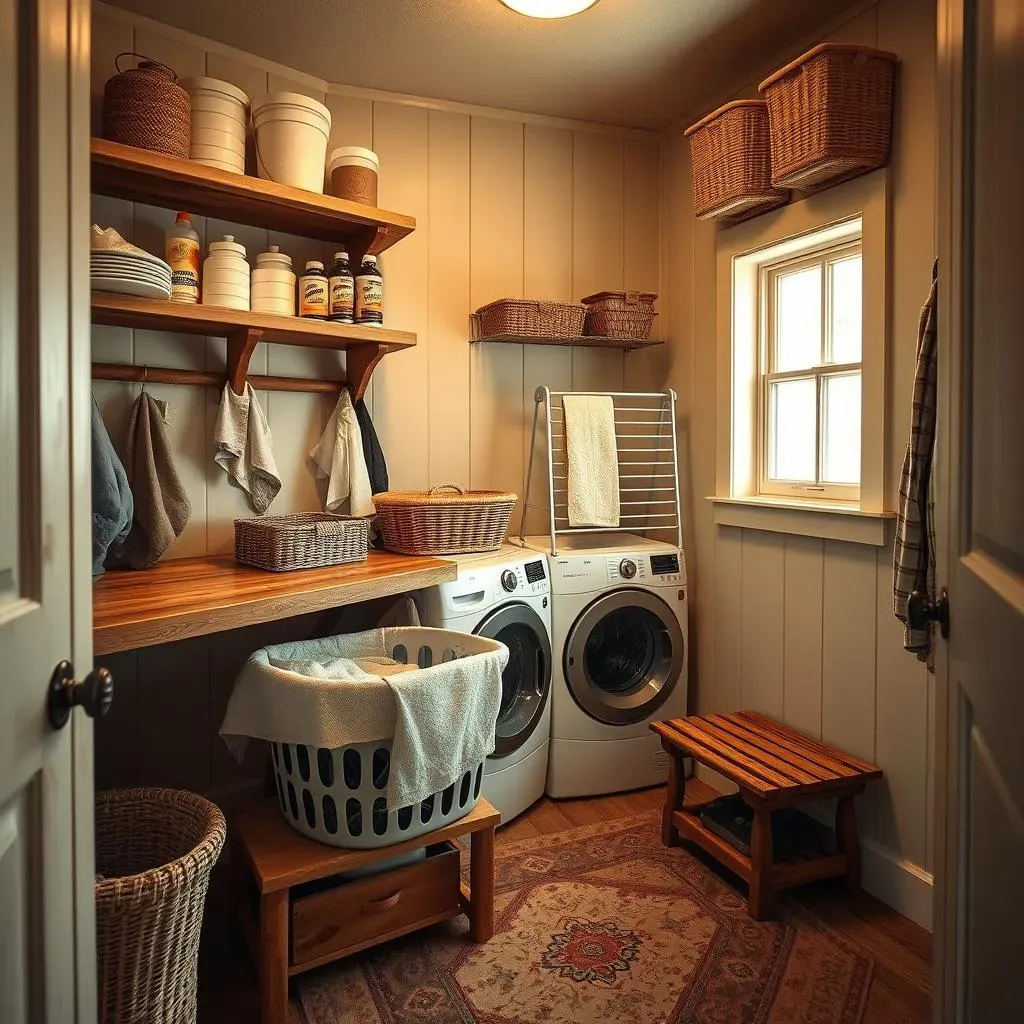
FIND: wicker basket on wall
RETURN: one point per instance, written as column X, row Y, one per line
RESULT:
column 731, row 165
column 620, row 315
column 155, row 849
column 530, row 318
column 830, row 114
column 146, row 108
column 304, row 540
column 446, row 520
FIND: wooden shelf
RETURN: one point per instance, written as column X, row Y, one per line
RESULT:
column 244, row 329
column 142, row 176
column 626, row 344
column 187, row 597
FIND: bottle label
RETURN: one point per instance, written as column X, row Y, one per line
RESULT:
column 314, row 297
column 183, row 256
column 343, row 297
column 369, row 299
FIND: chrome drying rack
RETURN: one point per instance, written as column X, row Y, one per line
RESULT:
column 645, row 441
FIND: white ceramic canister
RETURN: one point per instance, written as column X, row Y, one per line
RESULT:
column 219, row 107
column 226, row 275
column 291, row 139
column 273, row 283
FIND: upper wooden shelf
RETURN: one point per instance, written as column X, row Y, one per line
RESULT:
column 143, row 176
column 185, row 597
column 627, row 344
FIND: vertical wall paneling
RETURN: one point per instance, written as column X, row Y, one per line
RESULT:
column 448, row 298
column 728, row 619
column 496, row 271
column 109, row 38
column 117, row 732
column 547, row 274
column 401, row 138
column 804, row 567
column 185, row 59
column 761, row 636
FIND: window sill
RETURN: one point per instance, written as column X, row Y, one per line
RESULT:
column 807, row 519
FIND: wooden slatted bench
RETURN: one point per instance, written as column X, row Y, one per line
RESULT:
column 774, row 767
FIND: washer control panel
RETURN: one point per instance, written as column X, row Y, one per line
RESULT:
column 509, row 581
column 624, row 569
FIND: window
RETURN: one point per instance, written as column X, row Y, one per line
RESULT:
column 809, row 394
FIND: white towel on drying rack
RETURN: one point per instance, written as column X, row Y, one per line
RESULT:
column 592, row 460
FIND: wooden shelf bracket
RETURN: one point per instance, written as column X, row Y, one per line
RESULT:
column 360, row 362
column 241, row 345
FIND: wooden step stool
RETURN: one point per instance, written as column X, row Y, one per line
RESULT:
column 774, row 767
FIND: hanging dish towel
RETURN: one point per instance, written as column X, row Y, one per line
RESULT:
column 112, row 505
column 243, row 447
column 373, row 454
column 593, row 466
column 914, row 550
column 338, row 458
column 162, row 507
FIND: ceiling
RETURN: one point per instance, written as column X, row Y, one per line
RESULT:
column 629, row 62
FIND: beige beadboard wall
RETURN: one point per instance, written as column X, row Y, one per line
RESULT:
column 506, row 205
column 797, row 627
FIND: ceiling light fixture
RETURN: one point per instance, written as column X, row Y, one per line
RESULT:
column 549, row 8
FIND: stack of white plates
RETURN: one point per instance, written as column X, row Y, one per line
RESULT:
column 131, row 273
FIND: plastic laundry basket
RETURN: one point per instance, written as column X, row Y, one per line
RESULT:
column 336, row 796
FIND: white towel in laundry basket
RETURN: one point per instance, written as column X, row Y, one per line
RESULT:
column 341, row 690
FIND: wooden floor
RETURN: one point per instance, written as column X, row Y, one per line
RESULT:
column 901, row 989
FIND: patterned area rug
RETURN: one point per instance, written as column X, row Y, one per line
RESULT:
column 603, row 924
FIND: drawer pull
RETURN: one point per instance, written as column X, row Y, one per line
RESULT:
column 375, row 906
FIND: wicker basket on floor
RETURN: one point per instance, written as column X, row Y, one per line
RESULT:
column 530, row 318
column 830, row 114
column 300, row 541
column 446, row 520
column 729, row 154
column 620, row 315
column 155, row 849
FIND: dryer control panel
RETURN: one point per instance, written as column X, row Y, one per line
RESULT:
column 579, row 573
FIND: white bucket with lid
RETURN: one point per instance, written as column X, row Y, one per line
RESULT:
column 291, row 139
column 221, row 108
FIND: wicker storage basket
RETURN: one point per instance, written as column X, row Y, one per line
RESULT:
column 155, row 849
column 146, row 108
column 301, row 541
column 620, row 315
column 730, row 158
column 531, row 318
column 830, row 114
column 446, row 520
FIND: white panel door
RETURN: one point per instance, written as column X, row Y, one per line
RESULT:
column 980, row 930
column 46, row 946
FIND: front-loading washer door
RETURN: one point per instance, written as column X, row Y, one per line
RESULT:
column 526, row 681
column 624, row 656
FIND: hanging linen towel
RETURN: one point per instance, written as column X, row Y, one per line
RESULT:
column 112, row 505
column 914, row 549
column 162, row 507
column 339, row 690
column 373, row 454
column 338, row 458
column 243, row 447
column 593, row 466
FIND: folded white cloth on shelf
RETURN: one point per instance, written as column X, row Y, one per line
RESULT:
column 337, row 691
column 243, row 447
column 338, row 458
column 592, row 458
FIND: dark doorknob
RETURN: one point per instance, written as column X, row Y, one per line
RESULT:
column 921, row 611
column 94, row 694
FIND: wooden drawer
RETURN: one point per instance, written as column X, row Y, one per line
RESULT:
column 354, row 915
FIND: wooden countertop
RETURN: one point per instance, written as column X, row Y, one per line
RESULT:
column 187, row 597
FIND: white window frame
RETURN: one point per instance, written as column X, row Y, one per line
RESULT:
column 857, row 208
column 768, row 276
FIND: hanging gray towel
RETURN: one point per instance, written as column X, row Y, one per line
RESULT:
column 914, row 549
column 243, row 447
column 373, row 454
column 112, row 506
column 162, row 507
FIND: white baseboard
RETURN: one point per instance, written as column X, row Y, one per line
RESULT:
column 900, row 883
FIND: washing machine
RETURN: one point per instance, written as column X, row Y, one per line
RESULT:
column 507, row 596
column 619, row 635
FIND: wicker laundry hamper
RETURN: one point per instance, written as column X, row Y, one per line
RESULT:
column 446, row 520
column 146, row 108
column 155, row 849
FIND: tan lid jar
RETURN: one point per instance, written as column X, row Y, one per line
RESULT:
column 352, row 172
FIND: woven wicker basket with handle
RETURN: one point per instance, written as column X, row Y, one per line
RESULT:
column 146, row 108
column 446, row 520
column 155, row 849
column 301, row 541
column 830, row 114
column 620, row 315
column 530, row 318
